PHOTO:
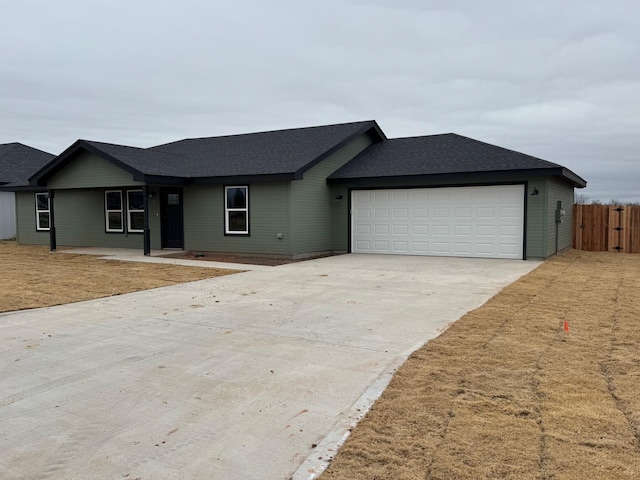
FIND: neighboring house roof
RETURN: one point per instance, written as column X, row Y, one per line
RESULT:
column 18, row 162
column 441, row 155
column 280, row 154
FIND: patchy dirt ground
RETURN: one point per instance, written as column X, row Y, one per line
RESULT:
column 506, row 392
column 32, row 276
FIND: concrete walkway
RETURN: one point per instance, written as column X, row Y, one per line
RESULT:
column 249, row 376
column 156, row 256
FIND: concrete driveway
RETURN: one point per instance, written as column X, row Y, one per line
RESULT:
column 249, row 376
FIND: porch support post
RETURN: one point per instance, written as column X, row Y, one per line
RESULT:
column 52, row 223
column 147, row 233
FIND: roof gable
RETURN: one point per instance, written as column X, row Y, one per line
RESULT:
column 136, row 161
column 442, row 154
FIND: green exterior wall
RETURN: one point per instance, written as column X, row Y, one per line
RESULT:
column 26, row 221
column 80, row 221
column 300, row 212
column 87, row 170
column 564, row 192
column 268, row 217
column 313, row 204
column 539, row 225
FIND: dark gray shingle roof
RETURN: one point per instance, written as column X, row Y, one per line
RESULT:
column 18, row 162
column 281, row 152
column 264, row 153
column 440, row 154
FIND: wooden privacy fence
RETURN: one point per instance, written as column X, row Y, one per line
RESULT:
column 606, row 228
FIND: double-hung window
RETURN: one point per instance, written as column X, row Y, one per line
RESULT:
column 135, row 211
column 236, row 210
column 113, row 210
column 43, row 211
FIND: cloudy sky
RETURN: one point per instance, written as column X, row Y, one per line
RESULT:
column 559, row 80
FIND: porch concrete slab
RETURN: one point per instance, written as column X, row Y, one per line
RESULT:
column 236, row 377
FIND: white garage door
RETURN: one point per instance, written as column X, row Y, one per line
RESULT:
column 455, row 222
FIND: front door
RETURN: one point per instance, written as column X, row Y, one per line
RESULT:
column 172, row 219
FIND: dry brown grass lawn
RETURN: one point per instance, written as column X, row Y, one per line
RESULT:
column 33, row 277
column 506, row 393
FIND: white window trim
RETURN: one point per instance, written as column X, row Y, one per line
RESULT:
column 130, row 211
column 107, row 212
column 227, row 210
column 47, row 211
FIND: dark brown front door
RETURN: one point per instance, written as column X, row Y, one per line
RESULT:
column 172, row 218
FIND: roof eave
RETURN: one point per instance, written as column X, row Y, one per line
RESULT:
column 21, row 188
column 244, row 179
column 449, row 176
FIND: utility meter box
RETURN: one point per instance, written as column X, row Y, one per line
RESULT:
column 560, row 213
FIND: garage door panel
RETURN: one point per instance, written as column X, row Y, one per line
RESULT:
column 486, row 212
column 363, row 213
column 420, row 212
column 363, row 246
column 363, row 229
column 381, row 197
column 420, row 247
column 400, row 247
column 400, row 213
column 462, row 230
column 401, row 195
column 440, row 212
column 457, row 221
column 463, row 249
column 509, row 212
column 463, row 212
column 509, row 248
column 509, row 231
column 488, row 230
column 485, row 249
column 440, row 230
column 382, row 246
column 381, row 229
column 379, row 213
column 440, row 247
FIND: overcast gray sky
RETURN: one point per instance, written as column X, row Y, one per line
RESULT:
column 558, row 79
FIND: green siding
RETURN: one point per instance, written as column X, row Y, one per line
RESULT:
column 268, row 217
column 313, row 203
column 559, row 191
column 87, row 170
column 80, row 221
column 535, row 206
column 26, row 221
column 537, row 219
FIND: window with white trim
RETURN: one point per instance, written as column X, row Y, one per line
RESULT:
column 43, row 211
column 236, row 210
column 135, row 211
column 113, row 211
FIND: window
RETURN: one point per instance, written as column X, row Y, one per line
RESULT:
column 236, row 210
column 43, row 211
column 113, row 210
column 135, row 211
